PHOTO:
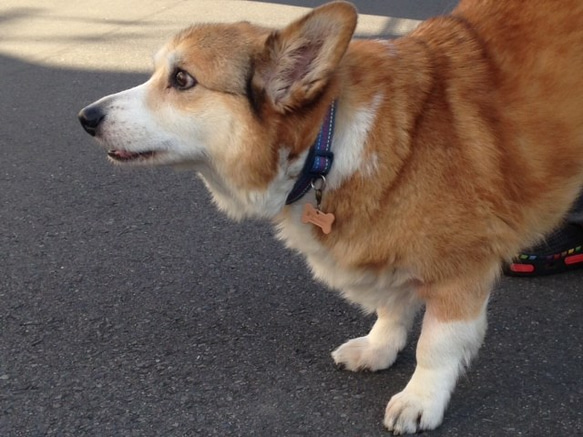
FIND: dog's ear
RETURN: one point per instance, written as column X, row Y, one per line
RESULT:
column 298, row 61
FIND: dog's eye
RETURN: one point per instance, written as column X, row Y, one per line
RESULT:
column 181, row 80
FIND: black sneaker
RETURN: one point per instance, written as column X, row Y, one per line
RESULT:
column 559, row 252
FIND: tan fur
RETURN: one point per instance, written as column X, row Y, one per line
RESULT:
column 455, row 146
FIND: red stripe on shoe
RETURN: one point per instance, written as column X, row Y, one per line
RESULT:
column 575, row 259
column 522, row 268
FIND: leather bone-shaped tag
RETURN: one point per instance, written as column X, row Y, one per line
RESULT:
column 318, row 218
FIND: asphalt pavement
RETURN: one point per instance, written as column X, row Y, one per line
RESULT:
column 130, row 307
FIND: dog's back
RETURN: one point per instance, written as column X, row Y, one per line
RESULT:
column 536, row 47
column 520, row 63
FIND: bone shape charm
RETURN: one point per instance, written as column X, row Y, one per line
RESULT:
column 316, row 217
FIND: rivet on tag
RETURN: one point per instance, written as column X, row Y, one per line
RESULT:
column 318, row 218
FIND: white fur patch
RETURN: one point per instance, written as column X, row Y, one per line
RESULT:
column 240, row 203
column 128, row 124
column 378, row 350
column 352, row 128
column 443, row 352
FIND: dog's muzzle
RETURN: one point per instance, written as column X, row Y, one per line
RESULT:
column 91, row 117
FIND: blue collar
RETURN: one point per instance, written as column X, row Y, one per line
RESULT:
column 319, row 160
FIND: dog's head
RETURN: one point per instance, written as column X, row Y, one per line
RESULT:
column 238, row 102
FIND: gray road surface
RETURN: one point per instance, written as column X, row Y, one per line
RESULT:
column 129, row 307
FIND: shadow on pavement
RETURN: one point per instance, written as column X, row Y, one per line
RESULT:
column 411, row 9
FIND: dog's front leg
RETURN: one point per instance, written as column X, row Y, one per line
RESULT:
column 378, row 350
column 447, row 344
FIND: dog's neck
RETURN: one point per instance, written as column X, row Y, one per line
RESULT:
column 291, row 182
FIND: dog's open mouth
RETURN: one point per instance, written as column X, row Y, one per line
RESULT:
column 125, row 156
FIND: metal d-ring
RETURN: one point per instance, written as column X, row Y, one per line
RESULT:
column 322, row 181
column 318, row 188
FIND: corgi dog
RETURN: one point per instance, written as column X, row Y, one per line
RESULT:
column 406, row 171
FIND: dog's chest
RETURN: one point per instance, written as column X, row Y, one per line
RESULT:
column 366, row 287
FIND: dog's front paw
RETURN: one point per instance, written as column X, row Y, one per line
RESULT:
column 362, row 354
column 409, row 412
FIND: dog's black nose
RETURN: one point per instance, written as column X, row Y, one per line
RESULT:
column 91, row 117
